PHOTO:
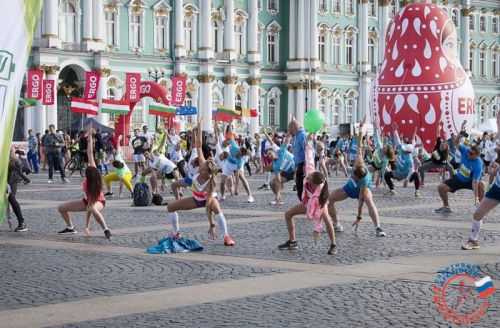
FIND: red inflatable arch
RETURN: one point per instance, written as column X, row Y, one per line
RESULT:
column 148, row 89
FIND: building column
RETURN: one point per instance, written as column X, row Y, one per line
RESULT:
column 465, row 36
column 292, row 36
column 205, row 100
column 29, row 120
column 314, row 95
column 253, row 32
column 229, row 90
column 50, row 24
column 40, row 117
column 300, row 28
column 205, row 50
column 87, row 18
column 301, row 105
column 292, row 112
column 51, row 110
column 365, row 79
column 383, row 22
column 313, row 36
column 229, row 48
column 98, row 29
column 179, row 44
column 103, row 118
column 253, row 103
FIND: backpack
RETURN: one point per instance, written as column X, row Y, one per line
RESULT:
column 142, row 195
column 157, row 199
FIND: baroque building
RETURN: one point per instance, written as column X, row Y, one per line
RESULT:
column 278, row 56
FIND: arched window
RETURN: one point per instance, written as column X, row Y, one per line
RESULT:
column 482, row 62
column 217, row 100
column 188, row 34
column 482, row 112
column 349, row 53
column 272, row 47
column 136, row 31
column 494, row 110
column 337, row 106
column 216, row 37
column 322, row 47
column 472, row 22
column 371, row 53
column 336, row 49
column 482, row 23
column 455, row 17
column 239, row 33
column 67, row 22
column 349, row 109
column 471, row 60
column 323, row 108
column 161, row 35
column 111, row 19
column 272, row 112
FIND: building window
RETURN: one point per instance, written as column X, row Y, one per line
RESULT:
column 482, row 113
column 482, row 23
column 349, row 60
column 336, row 6
column 67, row 23
column 136, row 31
column 217, row 100
column 321, row 47
column 161, row 35
column 337, row 105
column 272, row 6
column 336, row 50
column 472, row 22
column 239, row 31
column 482, row 62
column 217, row 38
column 349, row 109
column 323, row 6
column 394, row 8
column 471, row 61
column 454, row 17
column 272, row 112
column 494, row 24
column 260, row 111
column 272, row 51
column 188, row 35
column 494, row 63
column 372, row 9
column 349, row 7
column 111, row 18
column 371, row 53
column 322, row 108
column 237, row 101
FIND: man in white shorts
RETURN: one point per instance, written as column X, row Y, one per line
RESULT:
column 140, row 144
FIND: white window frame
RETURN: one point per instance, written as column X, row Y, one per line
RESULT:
column 276, row 9
column 372, row 8
column 455, row 17
column 336, row 111
column 482, row 62
column 337, row 6
column 336, row 49
column 273, row 29
column 350, row 8
column 159, row 40
column 140, row 30
column 322, row 39
column 394, row 8
column 371, row 53
column 471, row 60
column 349, row 50
column 349, row 109
column 65, row 19
column 240, row 38
column 323, row 6
column 494, row 64
column 495, row 28
column 483, row 26
column 472, row 22
column 115, row 27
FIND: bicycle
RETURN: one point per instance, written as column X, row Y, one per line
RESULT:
column 76, row 163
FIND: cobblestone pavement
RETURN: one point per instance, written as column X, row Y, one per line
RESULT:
column 78, row 281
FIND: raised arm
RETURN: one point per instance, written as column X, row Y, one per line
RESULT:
column 90, row 148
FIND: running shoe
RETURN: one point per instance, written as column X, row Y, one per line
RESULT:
column 391, row 192
column 443, row 210
column 264, row 186
column 21, row 228
column 109, row 193
column 251, row 199
column 470, row 245
column 332, row 250
column 65, row 180
column 290, row 245
column 379, row 232
column 339, row 228
column 107, row 234
column 67, row 231
column 228, row 241
column 50, row 181
column 273, row 202
column 417, row 194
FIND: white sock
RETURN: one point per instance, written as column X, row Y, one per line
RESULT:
column 174, row 220
column 222, row 223
column 476, row 227
column 268, row 178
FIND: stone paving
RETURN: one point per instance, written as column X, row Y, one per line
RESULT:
column 77, row 281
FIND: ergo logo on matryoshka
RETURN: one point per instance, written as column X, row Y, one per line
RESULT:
column 421, row 84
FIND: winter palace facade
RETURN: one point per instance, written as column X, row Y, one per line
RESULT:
column 277, row 56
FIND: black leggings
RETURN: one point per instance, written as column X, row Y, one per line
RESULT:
column 15, row 205
column 413, row 178
column 247, row 166
column 299, row 180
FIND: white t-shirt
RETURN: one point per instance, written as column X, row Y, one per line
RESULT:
column 163, row 164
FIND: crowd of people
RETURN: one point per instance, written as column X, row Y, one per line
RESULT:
column 206, row 168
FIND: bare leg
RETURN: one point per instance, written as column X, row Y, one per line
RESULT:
column 96, row 209
column 71, row 206
column 244, row 181
column 443, row 190
column 290, row 224
column 329, row 226
column 372, row 208
column 336, row 196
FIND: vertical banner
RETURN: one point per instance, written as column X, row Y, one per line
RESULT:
column 178, row 90
column 19, row 18
column 132, row 87
column 91, row 85
column 48, row 92
column 34, row 87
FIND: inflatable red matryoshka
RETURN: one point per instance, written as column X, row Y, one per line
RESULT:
column 421, row 85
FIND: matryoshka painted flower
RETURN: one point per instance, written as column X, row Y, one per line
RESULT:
column 421, row 85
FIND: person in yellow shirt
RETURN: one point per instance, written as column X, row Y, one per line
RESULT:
column 121, row 173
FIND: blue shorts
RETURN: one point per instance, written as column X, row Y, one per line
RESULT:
column 350, row 191
column 493, row 193
column 187, row 181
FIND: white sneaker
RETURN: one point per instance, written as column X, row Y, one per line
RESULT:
column 339, row 228
column 417, row 194
column 251, row 199
column 65, row 180
column 51, row 181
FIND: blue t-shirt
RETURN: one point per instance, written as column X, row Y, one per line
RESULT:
column 469, row 170
column 299, row 146
column 285, row 161
column 234, row 154
column 352, row 188
column 404, row 164
column 353, row 147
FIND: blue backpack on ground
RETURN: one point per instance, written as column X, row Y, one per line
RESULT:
column 142, row 195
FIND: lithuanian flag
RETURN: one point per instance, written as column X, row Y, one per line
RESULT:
column 115, row 106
